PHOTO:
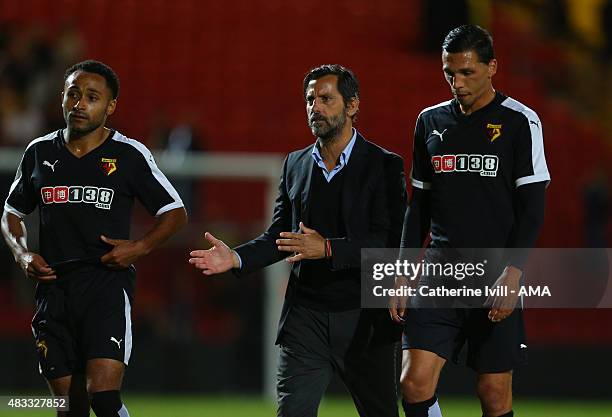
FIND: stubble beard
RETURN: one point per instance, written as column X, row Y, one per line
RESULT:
column 329, row 131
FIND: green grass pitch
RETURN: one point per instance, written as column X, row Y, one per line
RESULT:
column 207, row 406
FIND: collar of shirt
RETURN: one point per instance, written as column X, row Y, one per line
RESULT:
column 344, row 158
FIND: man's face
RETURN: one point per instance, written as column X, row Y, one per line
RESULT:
column 327, row 114
column 469, row 79
column 86, row 102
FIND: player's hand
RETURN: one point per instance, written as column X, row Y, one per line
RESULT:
column 306, row 245
column 219, row 258
column 35, row 267
column 503, row 305
column 397, row 304
column 123, row 254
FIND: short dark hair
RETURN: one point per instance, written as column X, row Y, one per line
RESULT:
column 470, row 37
column 348, row 86
column 100, row 68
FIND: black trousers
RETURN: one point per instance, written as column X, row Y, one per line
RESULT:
column 361, row 345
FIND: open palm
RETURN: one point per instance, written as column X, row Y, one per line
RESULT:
column 219, row 258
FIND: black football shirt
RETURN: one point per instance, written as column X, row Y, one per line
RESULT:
column 472, row 165
column 80, row 199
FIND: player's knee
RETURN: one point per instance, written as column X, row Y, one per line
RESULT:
column 496, row 399
column 417, row 387
column 60, row 386
column 108, row 404
column 71, row 387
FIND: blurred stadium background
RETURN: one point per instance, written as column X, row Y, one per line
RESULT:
column 215, row 88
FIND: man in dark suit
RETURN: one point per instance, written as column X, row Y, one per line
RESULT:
column 335, row 197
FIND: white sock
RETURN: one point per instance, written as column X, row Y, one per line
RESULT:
column 124, row 412
column 434, row 410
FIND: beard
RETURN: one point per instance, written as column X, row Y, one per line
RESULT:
column 327, row 129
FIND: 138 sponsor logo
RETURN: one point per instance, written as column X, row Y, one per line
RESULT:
column 485, row 165
column 100, row 197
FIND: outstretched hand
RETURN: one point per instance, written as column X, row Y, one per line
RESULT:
column 306, row 245
column 218, row 259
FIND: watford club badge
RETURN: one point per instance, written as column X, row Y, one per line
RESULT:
column 41, row 345
column 494, row 131
column 108, row 165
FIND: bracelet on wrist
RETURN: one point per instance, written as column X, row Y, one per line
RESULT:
column 328, row 250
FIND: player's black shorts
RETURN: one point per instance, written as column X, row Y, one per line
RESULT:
column 85, row 317
column 491, row 347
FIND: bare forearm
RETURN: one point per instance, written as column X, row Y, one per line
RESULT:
column 166, row 225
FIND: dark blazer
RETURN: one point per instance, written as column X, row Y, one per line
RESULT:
column 373, row 205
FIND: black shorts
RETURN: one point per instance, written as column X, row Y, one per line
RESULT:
column 85, row 317
column 492, row 347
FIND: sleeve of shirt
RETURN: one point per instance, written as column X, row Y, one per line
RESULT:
column 22, row 198
column 529, row 220
column 529, row 160
column 417, row 220
column 421, row 173
column 151, row 186
column 263, row 250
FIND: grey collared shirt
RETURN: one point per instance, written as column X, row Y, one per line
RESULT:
column 344, row 158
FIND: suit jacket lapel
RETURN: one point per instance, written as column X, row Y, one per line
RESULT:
column 307, row 165
column 353, row 178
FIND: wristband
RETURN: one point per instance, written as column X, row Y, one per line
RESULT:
column 25, row 260
column 328, row 249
